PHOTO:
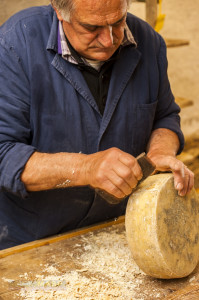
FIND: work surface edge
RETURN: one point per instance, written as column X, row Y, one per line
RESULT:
column 60, row 237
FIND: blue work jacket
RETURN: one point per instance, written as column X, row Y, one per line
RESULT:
column 46, row 106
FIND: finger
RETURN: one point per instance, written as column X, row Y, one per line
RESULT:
column 112, row 189
column 188, row 182
column 184, row 179
column 125, row 173
column 179, row 175
column 118, row 180
column 185, row 183
column 132, row 163
column 191, row 181
column 178, row 169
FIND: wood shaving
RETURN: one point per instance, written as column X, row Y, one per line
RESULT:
column 105, row 271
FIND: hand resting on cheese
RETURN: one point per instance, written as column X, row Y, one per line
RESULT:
column 162, row 149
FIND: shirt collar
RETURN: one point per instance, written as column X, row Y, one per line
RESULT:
column 64, row 50
column 128, row 38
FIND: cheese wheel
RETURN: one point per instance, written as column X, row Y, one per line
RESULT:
column 162, row 228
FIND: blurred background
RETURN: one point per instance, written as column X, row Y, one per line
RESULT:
column 179, row 28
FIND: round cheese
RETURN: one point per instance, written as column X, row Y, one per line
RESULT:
column 162, row 228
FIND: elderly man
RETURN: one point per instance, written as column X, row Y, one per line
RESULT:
column 83, row 91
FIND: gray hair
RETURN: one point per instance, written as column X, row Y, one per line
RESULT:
column 65, row 7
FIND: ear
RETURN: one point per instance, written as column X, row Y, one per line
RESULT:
column 58, row 14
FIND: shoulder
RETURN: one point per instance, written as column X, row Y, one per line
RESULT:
column 25, row 28
column 34, row 17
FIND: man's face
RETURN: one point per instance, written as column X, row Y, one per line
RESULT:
column 96, row 27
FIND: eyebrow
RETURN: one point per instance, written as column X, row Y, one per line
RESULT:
column 98, row 26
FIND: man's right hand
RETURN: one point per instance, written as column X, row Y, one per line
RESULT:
column 113, row 171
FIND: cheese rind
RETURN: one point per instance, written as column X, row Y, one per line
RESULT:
column 162, row 228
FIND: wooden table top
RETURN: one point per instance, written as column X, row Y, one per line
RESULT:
column 91, row 263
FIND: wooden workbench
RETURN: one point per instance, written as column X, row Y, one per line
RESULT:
column 92, row 263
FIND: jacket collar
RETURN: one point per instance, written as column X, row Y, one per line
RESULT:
column 52, row 40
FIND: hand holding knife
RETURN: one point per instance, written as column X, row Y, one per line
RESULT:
column 147, row 167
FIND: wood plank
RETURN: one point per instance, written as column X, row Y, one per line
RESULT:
column 176, row 42
column 151, row 12
column 57, row 238
column 183, row 102
column 191, row 292
column 98, row 260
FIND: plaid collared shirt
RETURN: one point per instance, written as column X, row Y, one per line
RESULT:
column 66, row 53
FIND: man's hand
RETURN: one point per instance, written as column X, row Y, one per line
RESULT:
column 162, row 150
column 113, row 171
column 183, row 177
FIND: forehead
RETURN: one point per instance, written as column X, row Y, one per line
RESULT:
column 99, row 12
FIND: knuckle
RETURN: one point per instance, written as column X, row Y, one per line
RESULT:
column 133, row 163
column 102, row 165
column 178, row 165
column 189, row 172
column 99, row 177
column 128, row 174
column 114, row 150
column 119, row 181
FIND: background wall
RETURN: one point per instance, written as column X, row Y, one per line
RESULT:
column 181, row 22
column 9, row 7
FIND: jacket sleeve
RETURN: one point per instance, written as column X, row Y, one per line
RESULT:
column 167, row 112
column 15, row 132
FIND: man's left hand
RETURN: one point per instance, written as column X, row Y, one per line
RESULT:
column 183, row 177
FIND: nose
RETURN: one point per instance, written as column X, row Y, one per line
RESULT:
column 105, row 36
